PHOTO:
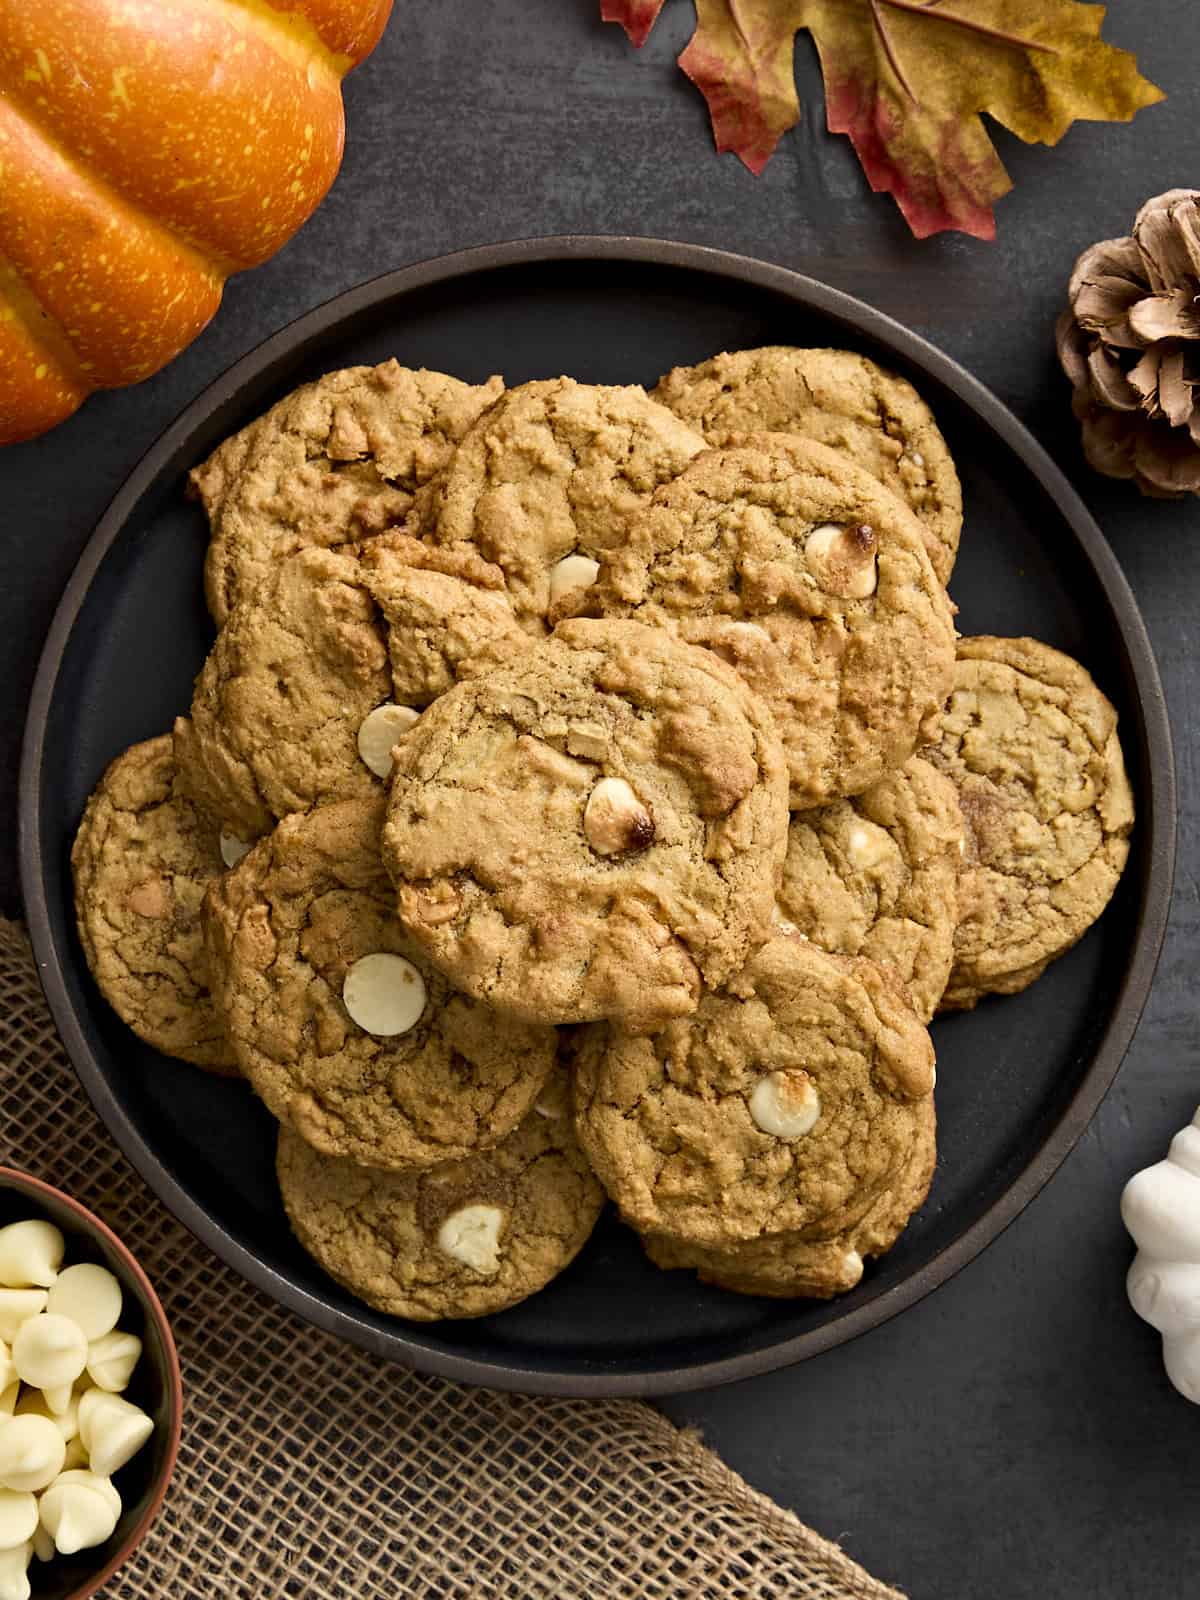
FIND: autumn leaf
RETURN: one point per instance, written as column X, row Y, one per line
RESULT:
column 907, row 80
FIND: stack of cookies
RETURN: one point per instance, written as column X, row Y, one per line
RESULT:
column 587, row 795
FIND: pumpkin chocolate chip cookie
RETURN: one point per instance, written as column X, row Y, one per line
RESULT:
column 840, row 399
column 548, row 481
column 142, row 859
column 344, row 1028
column 321, row 669
column 333, row 461
column 797, row 1265
column 1031, row 745
column 463, row 1239
column 788, row 1104
column 590, row 826
column 877, row 876
column 813, row 581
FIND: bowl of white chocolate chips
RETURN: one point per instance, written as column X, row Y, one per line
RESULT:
column 90, row 1396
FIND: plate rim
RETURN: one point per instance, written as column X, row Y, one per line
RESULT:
column 1158, row 818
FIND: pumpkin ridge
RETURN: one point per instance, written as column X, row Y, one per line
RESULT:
column 18, row 303
column 298, row 109
column 78, row 245
column 293, row 34
column 207, row 257
column 40, row 380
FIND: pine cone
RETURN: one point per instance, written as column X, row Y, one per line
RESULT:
column 1130, row 345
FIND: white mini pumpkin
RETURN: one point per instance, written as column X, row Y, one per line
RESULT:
column 1161, row 1209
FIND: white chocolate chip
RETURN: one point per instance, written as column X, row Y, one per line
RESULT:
column 9, row 1398
column 615, row 820
column 31, row 1453
column 785, row 1104
column 30, row 1254
column 88, row 1399
column 842, row 560
column 852, row 1263
column 780, row 923
column 111, row 1360
column 43, row 1544
column 112, row 1431
column 917, row 459
column 16, row 1307
column 90, row 1295
column 572, row 572
column 49, row 1351
column 232, row 848
column 384, row 994
column 34, row 1403
column 90, row 1479
column 380, row 731
column 868, row 845
column 18, row 1517
column 58, row 1397
column 76, row 1514
column 472, row 1235
column 14, row 1572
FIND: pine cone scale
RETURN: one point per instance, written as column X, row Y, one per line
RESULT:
column 1165, row 316
column 1109, row 381
column 1175, row 396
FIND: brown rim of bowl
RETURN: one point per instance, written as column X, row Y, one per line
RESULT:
column 153, row 1305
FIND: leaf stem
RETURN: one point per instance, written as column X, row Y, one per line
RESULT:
column 927, row 6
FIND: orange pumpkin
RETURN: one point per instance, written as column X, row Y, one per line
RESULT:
column 149, row 148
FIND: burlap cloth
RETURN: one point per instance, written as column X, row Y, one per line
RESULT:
column 310, row 1470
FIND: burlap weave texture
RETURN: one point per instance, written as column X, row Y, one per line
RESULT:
column 311, row 1471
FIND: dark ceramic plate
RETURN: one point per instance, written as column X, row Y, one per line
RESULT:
column 1018, row 1079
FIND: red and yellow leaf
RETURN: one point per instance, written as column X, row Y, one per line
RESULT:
column 908, row 81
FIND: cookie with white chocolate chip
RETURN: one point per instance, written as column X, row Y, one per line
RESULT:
column 334, row 461
column 840, row 399
column 804, row 1266
column 549, row 479
column 813, row 581
column 347, row 1032
column 142, row 859
column 787, row 1105
column 463, row 1239
column 591, row 827
column 877, row 876
column 321, row 668
column 1031, row 745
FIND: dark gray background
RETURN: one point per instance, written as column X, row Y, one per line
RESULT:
column 1013, row 1436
